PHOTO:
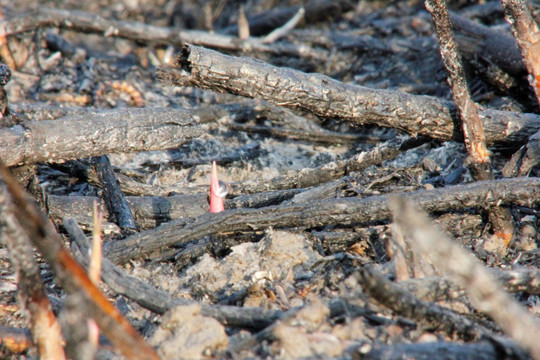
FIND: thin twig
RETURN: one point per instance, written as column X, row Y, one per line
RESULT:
column 283, row 30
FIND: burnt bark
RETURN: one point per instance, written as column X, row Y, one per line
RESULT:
column 329, row 98
column 112, row 194
column 97, row 133
column 322, row 213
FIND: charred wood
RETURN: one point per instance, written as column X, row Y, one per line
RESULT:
column 482, row 194
column 329, row 98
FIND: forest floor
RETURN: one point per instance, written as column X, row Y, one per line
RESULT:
column 294, row 259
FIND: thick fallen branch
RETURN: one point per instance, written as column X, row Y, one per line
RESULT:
column 152, row 211
column 482, row 194
column 329, row 98
column 97, row 133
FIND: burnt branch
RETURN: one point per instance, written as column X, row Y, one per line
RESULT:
column 160, row 301
column 46, row 330
column 112, row 194
column 97, row 133
column 152, row 211
column 331, row 171
column 141, row 32
column 428, row 314
column 482, row 350
column 326, row 137
column 329, row 98
column 323, row 213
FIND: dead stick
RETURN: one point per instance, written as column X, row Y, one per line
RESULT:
column 321, row 213
column 469, row 273
column 71, row 276
column 97, row 133
column 473, row 129
column 331, row 171
column 141, row 32
column 326, row 97
column 112, row 194
column 428, row 314
column 160, row 301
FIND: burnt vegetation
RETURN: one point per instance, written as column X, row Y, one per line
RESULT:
column 381, row 162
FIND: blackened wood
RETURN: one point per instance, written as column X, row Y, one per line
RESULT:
column 141, row 32
column 523, row 160
column 452, row 351
column 316, row 11
column 329, row 98
column 482, row 194
column 496, row 57
column 331, row 171
column 493, row 45
column 292, row 180
column 71, row 276
column 462, row 266
column 326, row 137
column 430, row 315
column 112, row 194
column 246, row 152
column 152, row 211
column 97, row 133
